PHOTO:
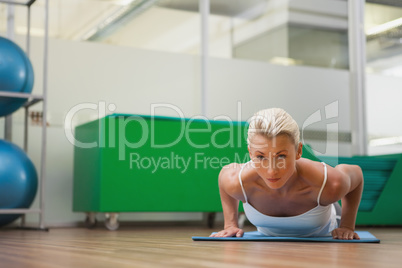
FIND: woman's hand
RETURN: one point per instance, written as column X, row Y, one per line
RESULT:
column 229, row 232
column 344, row 234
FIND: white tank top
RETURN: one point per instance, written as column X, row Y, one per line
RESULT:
column 319, row 221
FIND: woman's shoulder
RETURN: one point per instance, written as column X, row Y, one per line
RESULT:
column 229, row 179
column 229, row 173
column 312, row 172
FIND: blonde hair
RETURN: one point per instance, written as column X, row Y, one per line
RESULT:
column 273, row 122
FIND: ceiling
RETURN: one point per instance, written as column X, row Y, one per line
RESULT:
column 72, row 19
column 69, row 19
column 144, row 23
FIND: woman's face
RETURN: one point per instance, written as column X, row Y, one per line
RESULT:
column 274, row 158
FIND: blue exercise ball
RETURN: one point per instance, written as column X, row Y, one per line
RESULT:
column 18, row 180
column 16, row 75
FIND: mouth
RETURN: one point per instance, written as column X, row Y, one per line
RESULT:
column 273, row 179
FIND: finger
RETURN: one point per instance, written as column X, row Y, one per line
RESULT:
column 341, row 236
column 214, row 235
column 351, row 235
column 348, row 236
column 335, row 234
column 240, row 233
column 345, row 236
column 356, row 236
column 227, row 234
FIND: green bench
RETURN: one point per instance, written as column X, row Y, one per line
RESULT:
column 152, row 164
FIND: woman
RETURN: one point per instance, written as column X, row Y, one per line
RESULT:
column 284, row 194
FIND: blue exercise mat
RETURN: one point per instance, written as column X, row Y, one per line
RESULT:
column 365, row 237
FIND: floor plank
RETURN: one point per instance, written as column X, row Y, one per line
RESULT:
column 171, row 246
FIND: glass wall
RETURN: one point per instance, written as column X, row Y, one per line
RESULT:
column 298, row 45
column 302, row 32
column 312, row 33
column 158, row 25
column 383, row 27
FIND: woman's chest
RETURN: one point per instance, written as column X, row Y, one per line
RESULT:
column 291, row 204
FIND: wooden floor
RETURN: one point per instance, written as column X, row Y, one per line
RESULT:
column 171, row 246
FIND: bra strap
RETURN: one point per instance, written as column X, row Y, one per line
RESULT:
column 323, row 184
column 241, row 183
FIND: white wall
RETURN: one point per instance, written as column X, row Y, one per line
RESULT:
column 384, row 111
column 133, row 79
column 299, row 90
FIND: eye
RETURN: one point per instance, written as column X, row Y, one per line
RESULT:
column 260, row 157
column 282, row 156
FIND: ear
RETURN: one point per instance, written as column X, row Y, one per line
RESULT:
column 299, row 151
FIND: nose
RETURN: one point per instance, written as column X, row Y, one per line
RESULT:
column 271, row 171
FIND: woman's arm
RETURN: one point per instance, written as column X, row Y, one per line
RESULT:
column 230, row 205
column 351, row 188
